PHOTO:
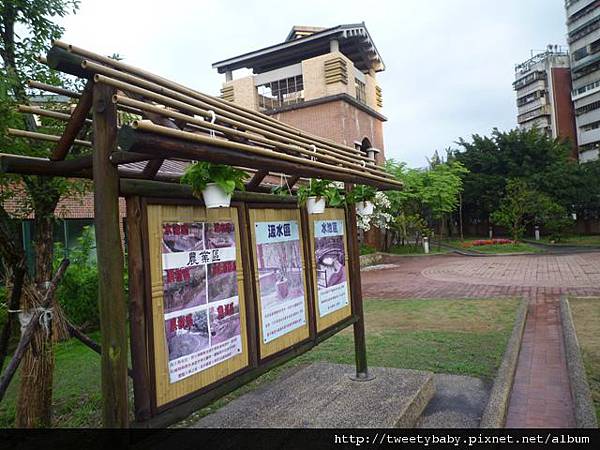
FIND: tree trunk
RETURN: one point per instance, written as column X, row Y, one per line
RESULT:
column 34, row 405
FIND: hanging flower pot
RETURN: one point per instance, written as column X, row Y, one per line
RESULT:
column 215, row 197
column 214, row 183
column 315, row 205
column 365, row 208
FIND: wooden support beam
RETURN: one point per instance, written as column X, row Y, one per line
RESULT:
column 360, row 346
column 170, row 147
column 113, row 310
column 158, row 189
column 25, row 165
column 258, row 177
column 64, row 61
column 137, row 313
column 292, row 181
column 77, row 120
column 51, row 88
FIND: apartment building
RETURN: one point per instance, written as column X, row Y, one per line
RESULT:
column 583, row 24
column 543, row 91
column 322, row 80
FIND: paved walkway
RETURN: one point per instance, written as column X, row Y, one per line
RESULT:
column 541, row 394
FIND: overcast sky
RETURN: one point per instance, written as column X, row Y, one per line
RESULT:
column 449, row 63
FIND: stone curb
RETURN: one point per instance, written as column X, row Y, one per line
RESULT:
column 585, row 415
column 494, row 414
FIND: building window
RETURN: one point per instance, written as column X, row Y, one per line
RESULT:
column 276, row 94
column 580, row 54
column 587, row 108
column 361, row 92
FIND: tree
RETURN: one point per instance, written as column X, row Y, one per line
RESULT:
column 35, row 22
column 542, row 162
column 514, row 207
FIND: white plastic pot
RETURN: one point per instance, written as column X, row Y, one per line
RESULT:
column 315, row 206
column 215, row 197
column 364, row 208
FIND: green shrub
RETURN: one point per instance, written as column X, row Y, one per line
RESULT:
column 78, row 291
column 367, row 249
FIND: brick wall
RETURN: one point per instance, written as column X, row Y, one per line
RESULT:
column 339, row 121
column 563, row 106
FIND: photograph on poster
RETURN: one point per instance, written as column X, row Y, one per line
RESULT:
column 187, row 334
column 281, row 278
column 182, row 237
column 222, row 281
column 330, row 257
column 199, row 266
column 224, row 321
column 220, row 234
column 184, row 288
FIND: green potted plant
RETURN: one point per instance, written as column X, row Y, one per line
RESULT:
column 214, row 183
column 363, row 197
column 317, row 194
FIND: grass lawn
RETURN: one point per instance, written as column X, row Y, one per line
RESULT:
column 465, row 337
column 411, row 249
column 575, row 240
column 586, row 315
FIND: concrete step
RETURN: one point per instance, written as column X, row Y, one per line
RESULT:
column 322, row 395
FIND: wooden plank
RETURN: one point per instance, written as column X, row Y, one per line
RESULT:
column 327, row 320
column 137, row 315
column 167, row 392
column 77, row 120
column 25, row 165
column 360, row 346
column 113, row 310
column 303, row 332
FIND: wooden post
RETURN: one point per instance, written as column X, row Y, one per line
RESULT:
column 360, row 346
column 113, row 310
column 137, row 315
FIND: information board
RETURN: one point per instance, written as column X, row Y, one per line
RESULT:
column 280, row 278
column 198, row 306
column 330, row 267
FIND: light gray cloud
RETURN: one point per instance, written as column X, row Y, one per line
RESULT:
column 449, row 62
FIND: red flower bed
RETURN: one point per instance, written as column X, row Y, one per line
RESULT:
column 480, row 242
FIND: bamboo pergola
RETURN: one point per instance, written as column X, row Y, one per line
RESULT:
column 164, row 126
column 169, row 121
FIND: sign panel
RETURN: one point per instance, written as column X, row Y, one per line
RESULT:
column 200, row 296
column 330, row 258
column 281, row 280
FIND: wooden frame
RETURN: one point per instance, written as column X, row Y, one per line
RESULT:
column 343, row 313
column 153, row 405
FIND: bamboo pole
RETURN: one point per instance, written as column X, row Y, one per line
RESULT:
column 43, row 137
column 54, row 89
column 47, row 113
column 216, row 102
column 119, row 99
column 144, row 125
column 131, row 80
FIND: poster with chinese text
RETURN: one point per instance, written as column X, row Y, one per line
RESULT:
column 200, row 294
column 281, row 280
column 330, row 257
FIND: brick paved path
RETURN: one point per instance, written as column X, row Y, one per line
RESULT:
column 541, row 395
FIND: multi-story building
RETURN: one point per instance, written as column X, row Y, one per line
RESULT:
column 319, row 80
column 543, row 87
column 583, row 24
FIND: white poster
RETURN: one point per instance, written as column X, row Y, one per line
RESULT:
column 330, row 257
column 281, row 281
column 200, row 295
